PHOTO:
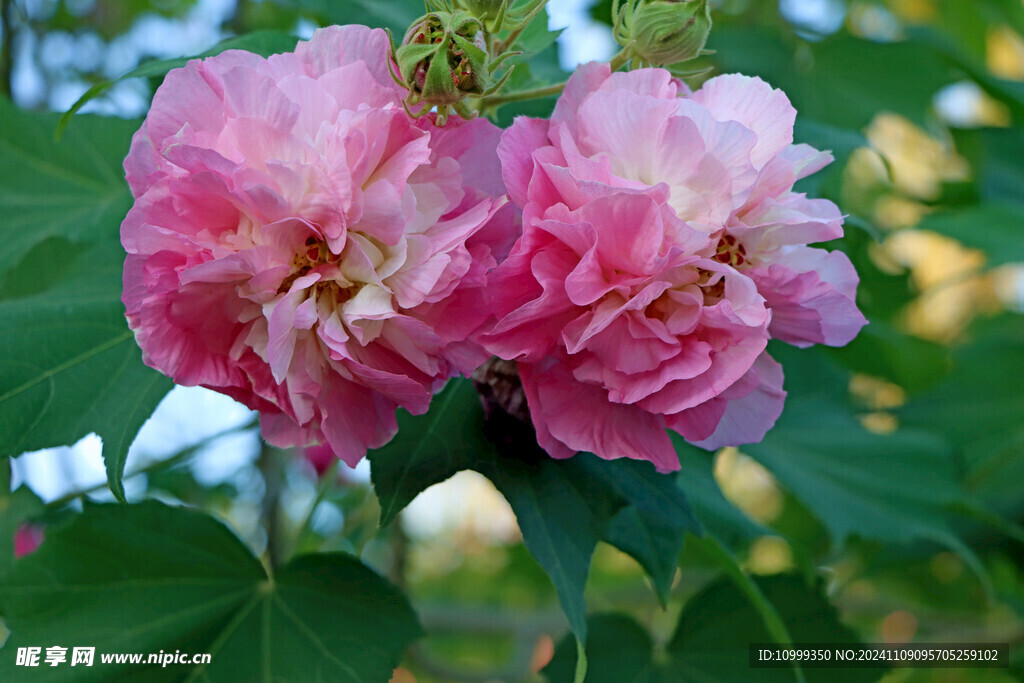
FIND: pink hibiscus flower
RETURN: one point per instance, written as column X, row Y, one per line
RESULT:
column 662, row 246
column 302, row 245
column 27, row 539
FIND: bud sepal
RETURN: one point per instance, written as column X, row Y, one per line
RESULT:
column 443, row 59
column 662, row 32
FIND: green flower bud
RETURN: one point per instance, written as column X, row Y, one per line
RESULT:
column 667, row 31
column 443, row 59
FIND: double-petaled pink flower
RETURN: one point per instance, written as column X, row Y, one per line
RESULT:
column 662, row 247
column 302, row 245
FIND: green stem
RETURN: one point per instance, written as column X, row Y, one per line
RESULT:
column 7, row 55
column 510, row 40
column 326, row 482
column 271, row 468
column 533, row 94
column 399, row 542
column 770, row 617
column 620, row 59
column 513, row 36
column 980, row 513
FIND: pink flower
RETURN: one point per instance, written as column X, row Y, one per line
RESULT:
column 302, row 245
column 320, row 457
column 27, row 539
column 662, row 246
column 811, row 292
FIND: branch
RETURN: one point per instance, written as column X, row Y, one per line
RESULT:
column 271, row 469
column 534, row 94
column 327, row 481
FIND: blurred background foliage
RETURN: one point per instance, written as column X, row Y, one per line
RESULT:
column 894, row 482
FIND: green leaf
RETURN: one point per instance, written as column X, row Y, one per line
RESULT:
column 967, row 24
column 996, row 228
column 1007, row 91
column 652, row 527
column 711, row 640
column 993, row 154
column 263, row 43
column 73, row 190
column 395, row 15
column 771, row 619
column 537, row 67
column 73, row 367
column 149, row 577
column 842, row 81
column 564, row 507
column 562, row 518
column 428, row 448
column 537, row 37
column 728, row 528
column 888, row 487
column 978, row 408
column 112, row 20
column 722, row 520
column 619, row 651
column 880, row 350
column 854, row 79
column 718, row 624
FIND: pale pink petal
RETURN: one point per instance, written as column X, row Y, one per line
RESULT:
column 579, row 417
column 656, row 83
column 756, row 105
column 337, row 46
column 627, row 128
column 812, row 296
column 587, row 79
column 516, row 149
column 789, row 220
column 475, row 145
column 281, row 328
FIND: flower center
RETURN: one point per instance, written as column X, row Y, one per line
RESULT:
column 313, row 253
column 730, row 251
column 713, row 293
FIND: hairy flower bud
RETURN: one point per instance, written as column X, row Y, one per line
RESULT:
column 443, row 59
column 666, row 31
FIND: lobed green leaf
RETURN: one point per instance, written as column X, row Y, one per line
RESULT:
column 711, row 639
column 150, row 577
